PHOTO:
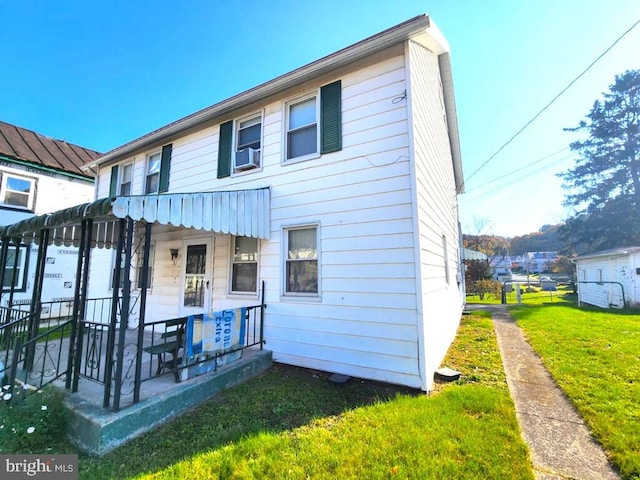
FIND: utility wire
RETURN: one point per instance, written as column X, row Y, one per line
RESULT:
column 554, row 99
column 479, row 194
column 521, row 169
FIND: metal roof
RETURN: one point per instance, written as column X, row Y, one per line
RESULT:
column 468, row 254
column 613, row 252
column 241, row 212
column 17, row 143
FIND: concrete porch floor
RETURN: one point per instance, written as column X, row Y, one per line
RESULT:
column 97, row 430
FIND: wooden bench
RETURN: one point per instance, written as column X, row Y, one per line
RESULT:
column 173, row 342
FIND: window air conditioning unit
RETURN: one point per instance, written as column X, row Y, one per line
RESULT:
column 247, row 158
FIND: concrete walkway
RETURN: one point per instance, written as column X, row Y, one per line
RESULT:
column 561, row 445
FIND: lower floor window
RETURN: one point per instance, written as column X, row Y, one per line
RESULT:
column 301, row 246
column 244, row 265
column 15, row 268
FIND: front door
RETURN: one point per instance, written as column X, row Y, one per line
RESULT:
column 196, row 278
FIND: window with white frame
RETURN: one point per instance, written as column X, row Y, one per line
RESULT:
column 137, row 270
column 15, row 268
column 113, row 269
column 152, row 183
column 17, row 191
column 248, row 143
column 302, row 128
column 244, row 265
column 126, row 179
column 140, row 269
column 301, row 261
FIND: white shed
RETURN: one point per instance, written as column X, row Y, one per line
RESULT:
column 609, row 279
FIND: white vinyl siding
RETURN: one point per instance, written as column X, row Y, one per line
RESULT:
column 363, row 321
column 437, row 222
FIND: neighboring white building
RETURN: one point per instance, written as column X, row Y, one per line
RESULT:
column 335, row 184
column 539, row 262
column 501, row 265
column 40, row 175
column 609, row 279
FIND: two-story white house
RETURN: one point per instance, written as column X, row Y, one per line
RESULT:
column 39, row 175
column 334, row 185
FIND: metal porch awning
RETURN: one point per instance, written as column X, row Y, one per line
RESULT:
column 240, row 212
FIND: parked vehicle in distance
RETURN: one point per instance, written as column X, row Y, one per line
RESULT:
column 548, row 284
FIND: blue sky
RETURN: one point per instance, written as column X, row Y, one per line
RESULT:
column 101, row 73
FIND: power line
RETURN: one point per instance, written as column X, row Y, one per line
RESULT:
column 520, row 170
column 554, row 99
column 479, row 193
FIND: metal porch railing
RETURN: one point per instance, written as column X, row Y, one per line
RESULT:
column 91, row 348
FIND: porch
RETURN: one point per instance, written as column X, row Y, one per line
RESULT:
column 125, row 368
column 97, row 431
column 108, row 410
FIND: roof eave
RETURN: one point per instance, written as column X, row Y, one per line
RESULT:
column 446, row 75
column 355, row 52
column 615, row 252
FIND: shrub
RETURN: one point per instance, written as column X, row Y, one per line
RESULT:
column 31, row 421
column 486, row 287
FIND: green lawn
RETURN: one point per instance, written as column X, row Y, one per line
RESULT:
column 562, row 295
column 293, row 423
column 594, row 355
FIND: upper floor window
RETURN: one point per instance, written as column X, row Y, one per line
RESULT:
column 156, row 180
column 244, row 265
column 125, row 181
column 152, row 183
column 248, row 141
column 313, row 124
column 302, row 128
column 17, row 191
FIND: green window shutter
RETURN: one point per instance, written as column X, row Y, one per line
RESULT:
column 165, row 166
column 224, row 149
column 331, row 117
column 113, row 186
